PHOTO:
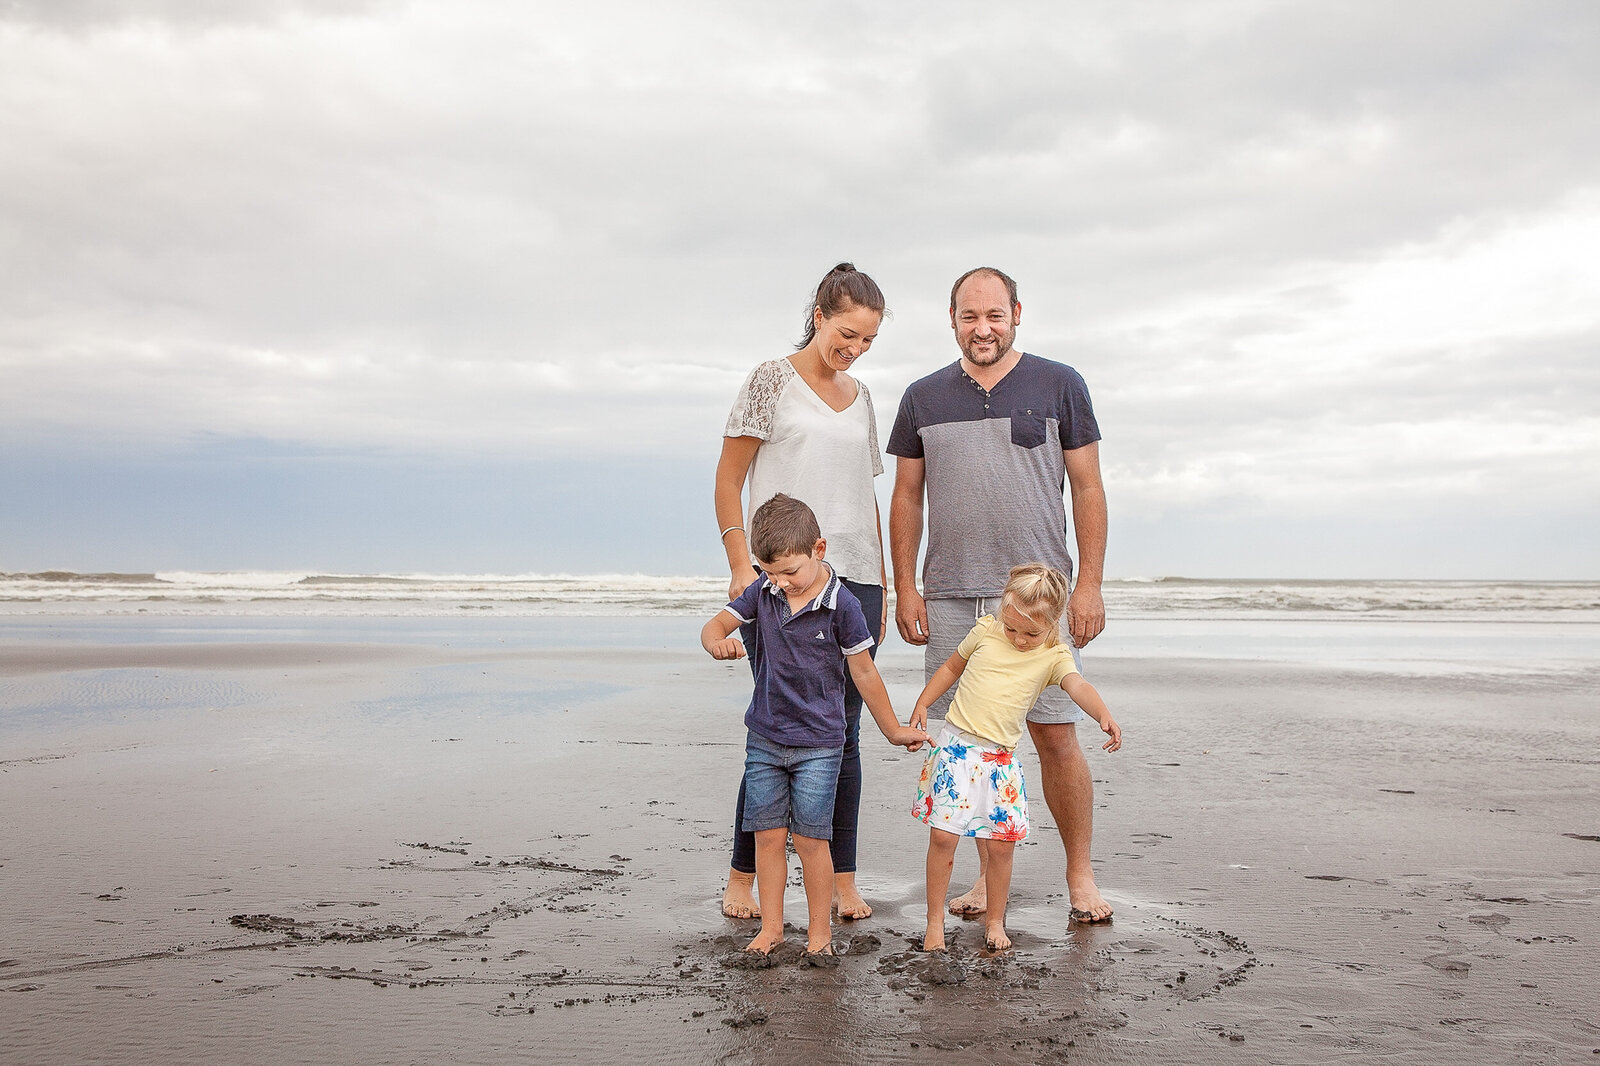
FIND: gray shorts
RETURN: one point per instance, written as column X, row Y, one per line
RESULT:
column 950, row 620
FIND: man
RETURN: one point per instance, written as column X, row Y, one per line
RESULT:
column 993, row 439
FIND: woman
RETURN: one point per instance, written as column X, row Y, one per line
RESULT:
column 803, row 426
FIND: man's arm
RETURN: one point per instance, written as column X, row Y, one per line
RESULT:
column 1086, row 610
column 905, row 537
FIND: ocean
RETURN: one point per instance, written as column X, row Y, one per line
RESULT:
column 1503, row 627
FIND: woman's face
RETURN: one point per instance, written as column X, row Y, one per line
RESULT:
column 845, row 337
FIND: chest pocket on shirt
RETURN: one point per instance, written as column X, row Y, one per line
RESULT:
column 1028, row 430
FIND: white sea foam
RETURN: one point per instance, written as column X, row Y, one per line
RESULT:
column 309, row 593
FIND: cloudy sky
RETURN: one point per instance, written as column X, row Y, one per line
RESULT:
column 468, row 286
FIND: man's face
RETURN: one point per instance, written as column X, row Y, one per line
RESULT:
column 984, row 321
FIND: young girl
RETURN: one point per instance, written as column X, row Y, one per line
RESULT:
column 971, row 783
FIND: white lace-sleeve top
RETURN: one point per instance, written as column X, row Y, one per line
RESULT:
column 823, row 457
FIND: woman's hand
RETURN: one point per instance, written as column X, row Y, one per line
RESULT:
column 739, row 582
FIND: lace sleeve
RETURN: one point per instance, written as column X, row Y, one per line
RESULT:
column 757, row 401
column 872, row 430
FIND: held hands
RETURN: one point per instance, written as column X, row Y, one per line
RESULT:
column 909, row 737
column 726, row 648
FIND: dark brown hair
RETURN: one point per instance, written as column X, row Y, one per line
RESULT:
column 842, row 288
column 783, row 526
column 1005, row 279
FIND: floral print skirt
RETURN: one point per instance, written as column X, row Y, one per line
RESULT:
column 972, row 788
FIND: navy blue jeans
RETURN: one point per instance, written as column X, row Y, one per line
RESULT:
column 847, row 802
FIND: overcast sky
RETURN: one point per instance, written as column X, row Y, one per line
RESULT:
column 469, row 286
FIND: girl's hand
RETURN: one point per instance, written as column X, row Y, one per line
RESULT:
column 1111, row 727
column 726, row 648
column 919, row 720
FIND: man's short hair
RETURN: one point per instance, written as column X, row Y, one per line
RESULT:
column 1005, row 279
column 783, row 526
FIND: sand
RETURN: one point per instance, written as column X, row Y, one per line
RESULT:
column 475, row 843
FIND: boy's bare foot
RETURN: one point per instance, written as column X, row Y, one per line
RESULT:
column 933, row 938
column 739, row 899
column 1086, row 902
column 847, row 900
column 764, row 942
column 974, row 900
column 994, row 936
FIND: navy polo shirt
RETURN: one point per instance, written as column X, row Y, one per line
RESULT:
column 798, row 658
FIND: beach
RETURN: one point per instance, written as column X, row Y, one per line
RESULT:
column 481, row 839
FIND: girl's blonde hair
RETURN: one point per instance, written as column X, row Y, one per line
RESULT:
column 1040, row 592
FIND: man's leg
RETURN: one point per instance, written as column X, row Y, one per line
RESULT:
column 1069, row 792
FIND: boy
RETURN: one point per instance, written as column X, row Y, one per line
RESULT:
column 807, row 628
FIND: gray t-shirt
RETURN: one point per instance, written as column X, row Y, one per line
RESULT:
column 995, row 469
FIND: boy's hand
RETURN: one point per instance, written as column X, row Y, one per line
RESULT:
column 910, row 738
column 726, row 648
column 1111, row 727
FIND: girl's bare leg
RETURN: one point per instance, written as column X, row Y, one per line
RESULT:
column 816, row 870
column 941, row 860
column 997, row 878
column 772, row 876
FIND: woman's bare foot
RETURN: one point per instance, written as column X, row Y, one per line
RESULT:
column 994, row 936
column 765, row 941
column 739, row 899
column 974, row 900
column 1086, row 902
column 847, row 900
column 933, row 937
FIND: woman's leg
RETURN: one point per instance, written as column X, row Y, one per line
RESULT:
column 847, row 803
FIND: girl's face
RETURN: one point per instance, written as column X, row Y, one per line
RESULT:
column 845, row 337
column 1023, row 630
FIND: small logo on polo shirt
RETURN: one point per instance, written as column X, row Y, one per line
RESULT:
column 820, row 636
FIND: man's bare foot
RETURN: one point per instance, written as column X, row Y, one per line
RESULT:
column 974, row 900
column 994, row 936
column 847, row 900
column 1087, row 903
column 739, row 899
column 764, row 942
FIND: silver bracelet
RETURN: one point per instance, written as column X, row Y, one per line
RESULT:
column 730, row 529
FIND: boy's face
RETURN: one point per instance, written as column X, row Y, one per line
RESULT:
column 796, row 573
column 1024, row 631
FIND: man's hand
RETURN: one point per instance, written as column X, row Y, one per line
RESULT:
column 726, row 648
column 1086, row 614
column 911, row 616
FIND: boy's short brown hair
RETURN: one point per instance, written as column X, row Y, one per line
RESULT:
column 783, row 526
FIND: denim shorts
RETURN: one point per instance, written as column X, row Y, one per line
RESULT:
column 789, row 788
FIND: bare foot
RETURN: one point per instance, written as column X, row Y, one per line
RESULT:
column 974, row 901
column 847, row 900
column 994, row 936
column 739, row 899
column 1087, row 903
column 765, row 941
column 933, row 937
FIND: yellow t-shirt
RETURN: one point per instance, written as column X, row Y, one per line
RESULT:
column 1000, row 684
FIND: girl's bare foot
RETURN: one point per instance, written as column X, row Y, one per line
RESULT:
column 974, row 900
column 765, row 941
column 738, row 899
column 994, row 936
column 847, row 900
column 933, row 937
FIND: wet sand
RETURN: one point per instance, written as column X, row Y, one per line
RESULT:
column 428, row 847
